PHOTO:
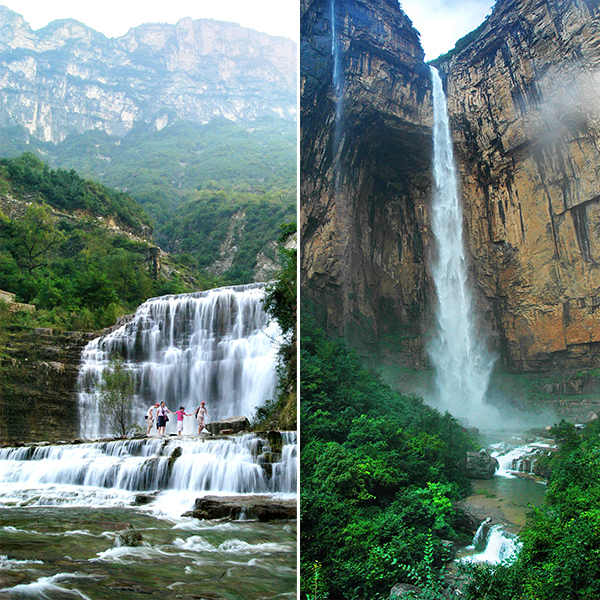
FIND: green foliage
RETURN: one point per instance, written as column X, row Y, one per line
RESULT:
column 560, row 557
column 28, row 176
column 199, row 226
column 77, row 273
column 281, row 303
column 379, row 472
column 116, row 394
column 191, row 179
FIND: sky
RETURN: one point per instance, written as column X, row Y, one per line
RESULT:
column 114, row 18
column 442, row 23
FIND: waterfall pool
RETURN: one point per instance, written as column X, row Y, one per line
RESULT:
column 507, row 497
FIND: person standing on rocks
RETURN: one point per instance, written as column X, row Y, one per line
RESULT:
column 180, row 414
column 200, row 415
column 162, row 416
column 150, row 417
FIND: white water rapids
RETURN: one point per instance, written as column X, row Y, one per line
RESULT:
column 113, row 473
column 218, row 346
column 66, row 509
column 462, row 363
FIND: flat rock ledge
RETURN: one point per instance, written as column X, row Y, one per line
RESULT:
column 228, row 426
column 263, row 508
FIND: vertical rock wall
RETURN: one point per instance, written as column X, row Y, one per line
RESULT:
column 524, row 96
column 365, row 190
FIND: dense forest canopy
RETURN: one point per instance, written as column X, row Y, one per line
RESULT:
column 379, row 473
column 216, row 193
column 75, row 249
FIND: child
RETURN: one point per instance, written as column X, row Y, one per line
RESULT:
column 180, row 414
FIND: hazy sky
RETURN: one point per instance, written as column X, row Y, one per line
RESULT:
column 442, row 23
column 114, row 18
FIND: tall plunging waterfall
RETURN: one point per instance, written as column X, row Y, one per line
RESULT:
column 217, row 346
column 463, row 364
column 337, row 78
column 337, row 81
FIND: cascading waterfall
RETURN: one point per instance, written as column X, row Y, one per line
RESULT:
column 463, row 364
column 500, row 546
column 218, row 346
column 111, row 472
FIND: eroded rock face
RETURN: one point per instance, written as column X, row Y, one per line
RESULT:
column 481, row 465
column 38, row 398
column 365, row 169
column 524, row 98
column 68, row 78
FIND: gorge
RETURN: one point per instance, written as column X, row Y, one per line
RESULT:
column 525, row 152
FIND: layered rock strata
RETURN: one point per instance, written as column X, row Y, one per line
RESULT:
column 524, row 98
column 38, row 373
column 67, row 78
column 525, row 116
column 365, row 159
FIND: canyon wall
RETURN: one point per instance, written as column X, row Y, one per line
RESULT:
column 524, row 98
column 67, row 78
column 365, row 172
column 38, row 375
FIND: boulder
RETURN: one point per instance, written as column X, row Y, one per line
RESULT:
column 481, row 465
column 236, row 424
column 263, row 508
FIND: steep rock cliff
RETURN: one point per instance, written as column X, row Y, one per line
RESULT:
column 365, row 159
column 524, row 98
column 38, row 375
column 67, row 78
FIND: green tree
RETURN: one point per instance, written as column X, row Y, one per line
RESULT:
column 116, row 395
column 36, row 236
column 281, row 303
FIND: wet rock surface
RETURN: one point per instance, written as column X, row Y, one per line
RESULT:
column 228, row 426
column 481, row 465
column 526, row 118
column 263, row 508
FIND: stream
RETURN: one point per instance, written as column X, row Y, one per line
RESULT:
column 507, row 497
column 71, row 527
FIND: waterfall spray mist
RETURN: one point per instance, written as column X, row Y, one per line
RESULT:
column 463, row 364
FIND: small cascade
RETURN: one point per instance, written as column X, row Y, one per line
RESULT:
column 500, row 546
column 481, row 535
column 218, row 346
column 518, row 459
column 112, row 472
column 463, row 364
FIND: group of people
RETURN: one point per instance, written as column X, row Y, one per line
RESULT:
column 162, row 416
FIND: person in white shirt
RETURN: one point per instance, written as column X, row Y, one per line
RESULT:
column 150, row 417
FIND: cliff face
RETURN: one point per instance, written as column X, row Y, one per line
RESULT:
column 365, row 168
column 67, row 78
column 524, row 98
column 38, row 375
